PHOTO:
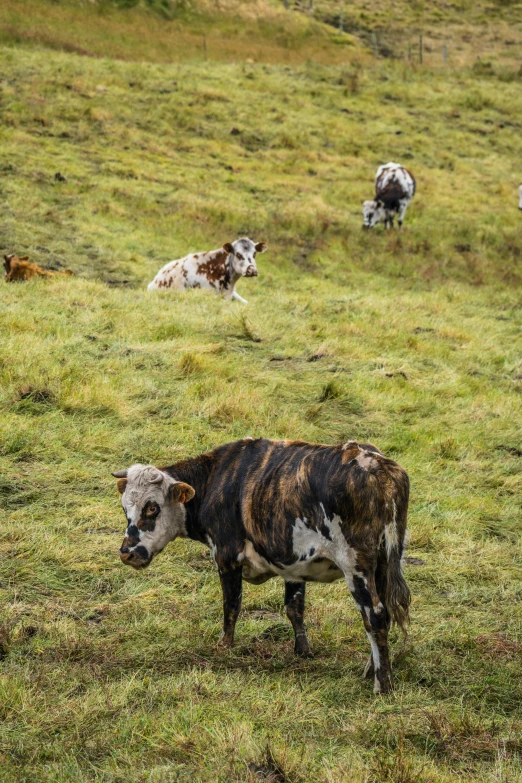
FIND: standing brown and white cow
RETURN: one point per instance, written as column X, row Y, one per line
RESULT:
column 394, row 189
column 216, row 269
column 283, row 508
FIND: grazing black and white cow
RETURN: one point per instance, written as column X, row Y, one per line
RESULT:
column 215, row 269
column 394, row 189
column 520, row 197
column 268, row 508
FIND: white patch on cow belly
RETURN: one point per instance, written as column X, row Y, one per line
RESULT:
column 319, row 558
column 257, row 569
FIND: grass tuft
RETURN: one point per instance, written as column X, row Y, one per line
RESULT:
column 246, row 331
column 330, row 391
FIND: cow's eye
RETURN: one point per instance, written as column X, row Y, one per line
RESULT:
column 153, row 509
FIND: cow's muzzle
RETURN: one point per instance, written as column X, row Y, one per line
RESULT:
column 251, row 272
column 137, row 558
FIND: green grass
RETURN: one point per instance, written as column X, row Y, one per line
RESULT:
column 108, row 675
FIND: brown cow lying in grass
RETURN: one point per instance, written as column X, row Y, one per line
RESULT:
column 21, row 269
column 283, row 508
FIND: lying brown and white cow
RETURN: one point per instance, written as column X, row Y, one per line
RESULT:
column 217, row 269
column 22, row 269
column 394, row 189
column 283, row 508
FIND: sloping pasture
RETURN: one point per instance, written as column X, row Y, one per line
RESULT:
column 409, row 340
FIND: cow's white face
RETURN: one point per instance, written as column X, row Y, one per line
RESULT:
column 153, row 505
column 520, row 197
column 243, row 252
column 373, row 213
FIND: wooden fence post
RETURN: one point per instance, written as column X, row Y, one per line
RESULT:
column 420, row 49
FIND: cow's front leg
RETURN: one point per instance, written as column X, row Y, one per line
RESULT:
column 294, row 605
column 238, row 298
column 232, row 586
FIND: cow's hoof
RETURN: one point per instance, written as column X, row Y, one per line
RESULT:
column 302, row 649
column 381, row 687
column 226, row 643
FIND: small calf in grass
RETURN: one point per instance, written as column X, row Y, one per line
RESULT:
column 22, row 269
column 215, row 269
column 394, row 189
column 304, row 512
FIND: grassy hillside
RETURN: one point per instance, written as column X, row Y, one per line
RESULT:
column 172, row 31
column 410, row 340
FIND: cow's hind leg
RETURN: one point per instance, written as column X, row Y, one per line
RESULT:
column 381, row 574
column 376, row 622
column 232, row 586
column 294, row 605
column 402, row 212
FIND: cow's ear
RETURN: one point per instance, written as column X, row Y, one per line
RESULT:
column 261, row 247
column 181, row 492
column 7, row 264
column 228, row 247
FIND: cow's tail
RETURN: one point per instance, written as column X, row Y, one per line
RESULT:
column 396, row 591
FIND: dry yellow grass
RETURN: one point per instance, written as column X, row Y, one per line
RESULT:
column 242, row 32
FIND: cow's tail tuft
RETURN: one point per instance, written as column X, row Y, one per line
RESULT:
column 397, row 592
